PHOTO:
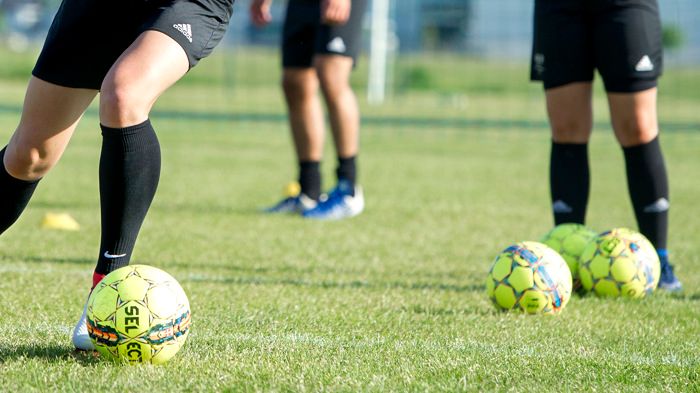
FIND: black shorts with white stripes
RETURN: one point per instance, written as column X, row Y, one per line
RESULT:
column 620, row 38
column 87, row 36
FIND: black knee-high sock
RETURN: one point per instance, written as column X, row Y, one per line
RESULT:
column 347, row 169
column 648, row 187
column 129, row 174
column 569, row 181
column 14, row 195
column 310, row 179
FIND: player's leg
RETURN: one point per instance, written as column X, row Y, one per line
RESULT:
column 130, row 158
column 343, row 112
column 634, row 120
column 635, row 123
column 346, row 199
column 172, row 40
column 570, row 114
column 336, row 51
column 630, row 77
column 49, row 117
column 300, row 86
column 562, row 59
column 306, row 122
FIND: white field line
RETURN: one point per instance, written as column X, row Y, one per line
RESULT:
column 44, row 269
column 396, row 345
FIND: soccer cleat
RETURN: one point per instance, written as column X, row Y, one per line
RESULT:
column 343, row 201
column 293, row 204
column 81, row 338
column 668, row 280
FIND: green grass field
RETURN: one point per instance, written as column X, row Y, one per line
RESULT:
column 392, row 300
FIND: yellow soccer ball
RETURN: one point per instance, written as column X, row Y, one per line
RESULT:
column 531, row 277
column 620, row 262
column 569, row 240
column 138, row 314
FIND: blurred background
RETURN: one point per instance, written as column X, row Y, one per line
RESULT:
column 440, row 62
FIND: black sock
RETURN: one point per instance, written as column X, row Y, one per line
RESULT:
column 129, row 173
column 648, row 187
column 14, row 195
column 569, row 182
column 347, row 169
column 310, row 179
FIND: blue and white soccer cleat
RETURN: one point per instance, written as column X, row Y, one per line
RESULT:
column 81, row 338
column 342, row 202
column 293, row 205
column 668, row 280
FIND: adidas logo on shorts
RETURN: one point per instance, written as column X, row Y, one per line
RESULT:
column 336, row 45
column 185, row 29
column 644, row 65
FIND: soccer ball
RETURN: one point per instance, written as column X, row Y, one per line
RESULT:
column 531, row 277
column 620, row 262
column 138, row 314
column 569, row 240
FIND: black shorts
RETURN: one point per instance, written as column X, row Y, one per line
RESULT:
column 304, row 36
column 87, row 36
column 620, row 38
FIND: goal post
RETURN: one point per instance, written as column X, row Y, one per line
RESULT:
column 379, row 52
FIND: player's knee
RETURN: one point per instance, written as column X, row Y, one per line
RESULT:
column 636, row 130
column 122, row 106
column 332, row 90
column 297, row 87
column 290, row 85
column 570, row 130
column 332, row 84
column 28, row 163
column 336, row 92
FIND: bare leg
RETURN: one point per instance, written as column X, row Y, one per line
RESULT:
column 570, row 111
column 334, row 74
column 300, row 86
column 49, row 118
column 152, row 64
column 634, row 117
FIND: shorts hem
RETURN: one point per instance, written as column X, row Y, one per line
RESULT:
column 64, row 82
column 310, row 64
column 634, row 86
column 553, row 85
